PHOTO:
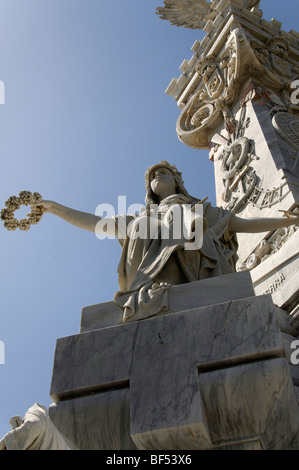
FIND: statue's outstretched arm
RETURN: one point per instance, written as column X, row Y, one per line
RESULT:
column 80, row 219
column 255, row 225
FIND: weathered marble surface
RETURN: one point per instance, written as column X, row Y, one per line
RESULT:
column 187, row 296
column 96, row 421
column 180, row 371
column 254, row 400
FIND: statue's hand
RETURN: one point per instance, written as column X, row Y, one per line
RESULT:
column 46, row 206
column 292, row 216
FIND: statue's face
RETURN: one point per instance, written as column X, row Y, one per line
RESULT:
column 162, row 182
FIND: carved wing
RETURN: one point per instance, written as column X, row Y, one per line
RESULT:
column 191, row 14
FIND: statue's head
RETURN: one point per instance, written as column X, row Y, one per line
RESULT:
column 151, row 197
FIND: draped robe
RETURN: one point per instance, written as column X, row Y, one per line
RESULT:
column 34, row 432
column 150, row 265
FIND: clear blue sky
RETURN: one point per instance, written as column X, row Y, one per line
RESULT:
column 85, row 115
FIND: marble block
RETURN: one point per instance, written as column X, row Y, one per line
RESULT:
column 156, row 384
column 182, row 297
column 96, row 421
column 278, row 275
column 252, row 401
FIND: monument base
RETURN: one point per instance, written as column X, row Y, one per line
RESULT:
column 207, row 377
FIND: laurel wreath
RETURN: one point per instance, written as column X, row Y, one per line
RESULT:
column 25, row 198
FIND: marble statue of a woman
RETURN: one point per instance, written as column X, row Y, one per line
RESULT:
column 150, row 264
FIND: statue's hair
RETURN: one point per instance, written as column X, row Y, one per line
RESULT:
column 150, row 197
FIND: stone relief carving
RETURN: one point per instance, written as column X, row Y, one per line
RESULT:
column 285, row 121
column 212, row 99
column 278, row 281
column 278, row 74
column 273, row 55
column 266, row 198
column 273, row 66
column 239, row 178
column 279, row 53
column 283, row 113
column 269, row 246
column 211, row 93
column 218, row 71
column 240, row 181
column 218, row 79
column 246, row 183
column 287, row 126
